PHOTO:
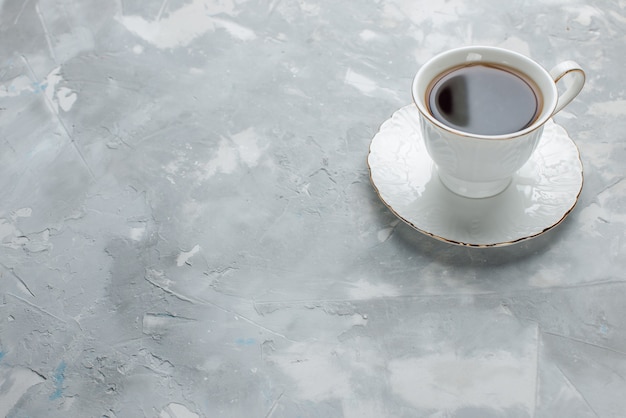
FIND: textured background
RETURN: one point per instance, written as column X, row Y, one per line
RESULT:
column 187, row 226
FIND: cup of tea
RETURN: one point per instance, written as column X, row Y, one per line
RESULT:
column 482, row 111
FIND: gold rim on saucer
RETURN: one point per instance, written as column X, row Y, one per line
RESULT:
column 541, row 195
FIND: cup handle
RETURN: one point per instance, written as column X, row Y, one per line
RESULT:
column 577, row 82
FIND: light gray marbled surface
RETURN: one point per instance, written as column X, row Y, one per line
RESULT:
column 188, row 228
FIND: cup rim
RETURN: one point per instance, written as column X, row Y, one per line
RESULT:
column 546, row 113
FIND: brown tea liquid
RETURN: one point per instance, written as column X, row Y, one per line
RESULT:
column 484, row 100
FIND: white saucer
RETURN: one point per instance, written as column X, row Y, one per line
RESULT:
column 543, row 192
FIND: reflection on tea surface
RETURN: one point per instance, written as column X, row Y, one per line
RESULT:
column 484, row 100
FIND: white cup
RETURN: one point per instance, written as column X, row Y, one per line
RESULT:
column 474, row 165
